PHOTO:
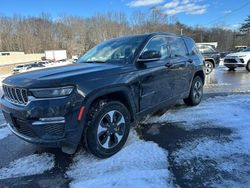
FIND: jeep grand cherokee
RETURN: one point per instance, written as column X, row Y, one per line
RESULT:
column 95, row 100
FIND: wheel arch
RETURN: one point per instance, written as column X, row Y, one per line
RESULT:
column 201, row 74
column 211, row 60
column 120, row 93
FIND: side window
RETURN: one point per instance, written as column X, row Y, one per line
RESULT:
column 192, row 48
column 177, row 47
column 160, row 44
column 195, row 51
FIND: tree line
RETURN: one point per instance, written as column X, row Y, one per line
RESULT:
column 78, row 34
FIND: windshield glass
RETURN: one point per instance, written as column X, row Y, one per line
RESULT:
column 246, row 50
column 117, row 50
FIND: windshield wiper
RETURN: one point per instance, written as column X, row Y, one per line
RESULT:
column 95, row 62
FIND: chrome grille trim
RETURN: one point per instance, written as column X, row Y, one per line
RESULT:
column 16, row 95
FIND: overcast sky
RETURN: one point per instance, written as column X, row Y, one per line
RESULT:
column 191, row 12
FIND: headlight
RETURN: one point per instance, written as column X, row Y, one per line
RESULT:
column 52, row 92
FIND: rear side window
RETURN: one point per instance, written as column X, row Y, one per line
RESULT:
column 177, row 47
column 192, row 48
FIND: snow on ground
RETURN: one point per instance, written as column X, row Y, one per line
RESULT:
column 29, row 165
column 138, row 164
column 4, row 132
column 228, row 160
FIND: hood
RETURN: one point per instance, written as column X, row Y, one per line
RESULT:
column 59, row 76
column 239, row 54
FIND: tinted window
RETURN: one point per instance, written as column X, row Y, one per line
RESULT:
column 160, row 44
column 177, row 47
column 192, row 48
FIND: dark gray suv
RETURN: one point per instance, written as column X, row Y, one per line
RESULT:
column 95, row 100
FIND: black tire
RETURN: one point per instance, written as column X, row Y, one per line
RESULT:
column 107, row 142
column 209, row 66
column 196, row 92
column 231, row 69
column 248, row 66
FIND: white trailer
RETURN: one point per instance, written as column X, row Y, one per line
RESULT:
column 215, row 44
column 55, row 55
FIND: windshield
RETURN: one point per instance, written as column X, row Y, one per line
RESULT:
column 117, row 50
column 246, row 50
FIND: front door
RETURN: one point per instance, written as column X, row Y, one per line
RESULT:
column 156, row 78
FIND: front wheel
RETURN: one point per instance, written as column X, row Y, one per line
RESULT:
column 108, row 128
column 248, row 66
column 196, row 92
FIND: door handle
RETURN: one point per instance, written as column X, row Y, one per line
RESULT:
column 190, row 61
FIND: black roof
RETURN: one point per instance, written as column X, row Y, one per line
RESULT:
column 151, row 34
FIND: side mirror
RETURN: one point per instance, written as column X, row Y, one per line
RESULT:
column 150, row 56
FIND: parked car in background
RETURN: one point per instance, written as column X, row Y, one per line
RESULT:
column 239, row 48
column 21, row 67
column 95, row 100
column 211, row 57
column 238, row 59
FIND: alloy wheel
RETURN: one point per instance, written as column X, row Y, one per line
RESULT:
column 197, row 92
column 208, row 67
column 111, row 129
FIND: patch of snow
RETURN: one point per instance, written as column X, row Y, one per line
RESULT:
column 138, row 164
column 230, row 157
column 4, row 132
column 29, row 165
column 154, row 130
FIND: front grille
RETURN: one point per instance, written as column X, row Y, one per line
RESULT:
column 230, row 61
column 16, row 95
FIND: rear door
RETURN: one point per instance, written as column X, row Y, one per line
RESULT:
column 181, row 65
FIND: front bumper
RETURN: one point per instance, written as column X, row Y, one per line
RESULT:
column 234, row 62
column 47, row 122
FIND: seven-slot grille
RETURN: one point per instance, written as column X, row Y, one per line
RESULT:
column 16, row 95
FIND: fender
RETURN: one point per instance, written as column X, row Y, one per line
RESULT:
column 210, row 59
column 125, row 89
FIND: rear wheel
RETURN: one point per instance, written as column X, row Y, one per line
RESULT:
column 108, row 128
column 248, row 66
column 209, row 66
column 196, row 92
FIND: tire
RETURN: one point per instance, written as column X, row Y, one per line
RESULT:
column 231, row 69
column 248, row 66
column 196, row 92
column 209, row 66
column 104, row 136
